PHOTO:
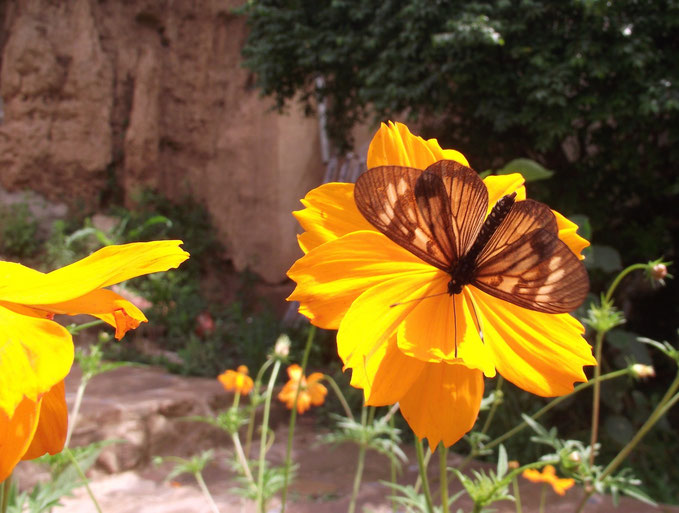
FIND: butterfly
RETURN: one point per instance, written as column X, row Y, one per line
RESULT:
column 439, row 215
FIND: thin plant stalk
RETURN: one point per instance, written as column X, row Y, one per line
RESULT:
column 494, row 406
column 340, row 396
column 517, row 495
column 253, row 410
column 5, row 487
column 83, row 477
column 76, row 409
column 596, row 399
column 358, row 477
column 660, row 410
column 443, row 471
column 392, row 462
column 206, row 492
column 423, row 475
column 293, row 418
column 418, row 481
column 240, row 454
column 262, row 442
column 543, row 497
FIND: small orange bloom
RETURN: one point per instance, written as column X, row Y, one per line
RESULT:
column 548, row 475
column 311, row 392
column 237, row 380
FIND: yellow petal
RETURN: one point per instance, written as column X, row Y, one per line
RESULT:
column 330, row 213
column 568, row 233
column 331, row 276
column 541, row 353
column 371, row 319
column 430, row 330
column 386, row 375
column 16, row 433
column 35, row 354
column 501, row 185
column 107, row 306
column 105, row 267
column 444, row 403
column 50, row 434
column 394, row 145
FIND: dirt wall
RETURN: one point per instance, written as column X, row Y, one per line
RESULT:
column 107, row 97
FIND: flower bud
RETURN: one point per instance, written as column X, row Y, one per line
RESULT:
column 640, row 370
column 282, row 347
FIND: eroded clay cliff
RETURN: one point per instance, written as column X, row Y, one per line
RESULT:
column 113, row 96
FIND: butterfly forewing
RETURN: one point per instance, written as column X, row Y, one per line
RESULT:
column 385, row 196
column 467, row 199
column 536, row 271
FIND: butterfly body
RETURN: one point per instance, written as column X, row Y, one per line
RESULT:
column 439, row 215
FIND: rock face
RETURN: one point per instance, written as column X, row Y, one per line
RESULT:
column 105, row 98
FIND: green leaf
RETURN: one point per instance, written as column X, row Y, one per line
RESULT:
column 601, row 257
column 529, row 169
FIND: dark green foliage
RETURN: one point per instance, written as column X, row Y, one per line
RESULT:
column 18, row 231
column 588, row 87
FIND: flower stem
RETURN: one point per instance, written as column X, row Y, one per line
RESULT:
column 493, row 408
column 596, row 401
column 253, row 407
column 619, row 278
column 361, row 461
column 340, row 396
column 262, row 441
column 206, row 492
column 293, row 418
column 423, row 475
column 517, row 495
column 392, row 462
column 543, row 496
column 240, row 454
column 5, row 487
column 443, row 471
column 73, row 330
column 76, row 408
column 83, row 477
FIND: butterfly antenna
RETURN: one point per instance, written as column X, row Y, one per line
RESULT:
column 455, row 323
column 416, row 299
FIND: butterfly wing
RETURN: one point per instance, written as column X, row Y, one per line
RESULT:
column 435, row 214
column 525, row 263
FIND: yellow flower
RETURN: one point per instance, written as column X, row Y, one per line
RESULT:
column 237, row 380
column 36, row 353
column 548, row 475
column 351, row 274
column 311, row 392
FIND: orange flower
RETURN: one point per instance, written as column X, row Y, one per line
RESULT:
column 36, row 353
column 311, row 392
column 352, row 274
column 548, row 475
column 237, row 380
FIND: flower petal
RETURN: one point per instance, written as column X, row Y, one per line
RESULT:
column 541, row 353
column 105, row 304
column 331, row 276
column 102, row 268
column 430, row 330
column 371, row 319
column 444, row 403
column 330, row 213
column 568, row 233
column 16, row 433
column 394, row 145
column 50, row 434
column 501, row 185
column 35, row 354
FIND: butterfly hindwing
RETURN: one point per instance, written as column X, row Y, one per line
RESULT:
column 525, row 263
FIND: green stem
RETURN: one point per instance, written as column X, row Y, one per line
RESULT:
column 293, row 418
column 443, row 471
column 5, row 488
column 392, row 462
column 206, row 492
column 418, row 481
column 359, row 465
column 240, row 454
column 83, row 477
column 596, row 400
column 543, row 496
column 554, row 402
column 262, row 442
column 76, row 409
column 73, row 330
column 517, row 495
column 619, row 278
column 253, row 407
column 340, row 396
column 423, row 475
column 494, row 406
